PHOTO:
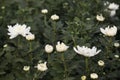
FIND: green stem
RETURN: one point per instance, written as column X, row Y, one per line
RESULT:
column 30, row 47
column 74, row 41
column 48, row 55
column 54, row 29
column 45, row 21
column 97, row 24
column 65, row 66
column 86, row 65
column 108, row 47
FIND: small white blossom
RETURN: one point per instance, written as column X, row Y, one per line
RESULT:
column 26, row 68
column 18, row 29
column 42, row 66
column 109, row 31
column 113, row 6
column 44, row 11
column 85, row 51
column 116, row 56
column 54, row 17
column 30, row 36
column 112, row 13
column 100, row 17
column 106, row 3
column 116, row 44
column 83, row 77
column 5, row 45
column 93, row 76
column 101, row 63
column 61, row 47
column 48, row 48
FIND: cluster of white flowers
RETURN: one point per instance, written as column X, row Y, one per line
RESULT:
column 85, row 51
column 111, row 8
column 22, row 30
column 109, row 31
column 100, row 17
column 41, row 66
column 60, row 47
column 53, row 17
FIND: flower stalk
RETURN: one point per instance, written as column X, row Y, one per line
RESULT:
column 65, row 66
column 86, row 65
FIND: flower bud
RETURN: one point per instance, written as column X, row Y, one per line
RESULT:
column 48, row 48
column 101, row 63
column 93, row 76
column 5, row 45
column 54, row 17
column 116, row 56
column 30, row 37
column 42, row 66
column 26, row 68
column 116, row 44
column 83, row 77
column 100, row 17
column 61, row 47
column 44, row 11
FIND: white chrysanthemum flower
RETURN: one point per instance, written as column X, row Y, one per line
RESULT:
column 100, row 17
column 54, row 17
column 30, row 36
column 83, row 77
column 44, row 11
column 109, row 31
column 85, row 51
column 61, row 47
column 18, row 29
column 101, row 63
column 26, row 68
column 113, row 6
column 116, row 56
column 48, row 48
column 42, row 66
column 116, row 44
column 93, row 76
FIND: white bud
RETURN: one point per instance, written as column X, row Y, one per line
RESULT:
column 83, row 77
column 116, row 44
column 48, row 48
column 42, row 66
column 5, row 45
column 54, row 17
column 93, row 76
column 116, row 56
column 44, row 11
column 61, row 47
column 100, row 17
column 26, row 68
column 112, row 13
column 101, row 63
column 30, row 37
